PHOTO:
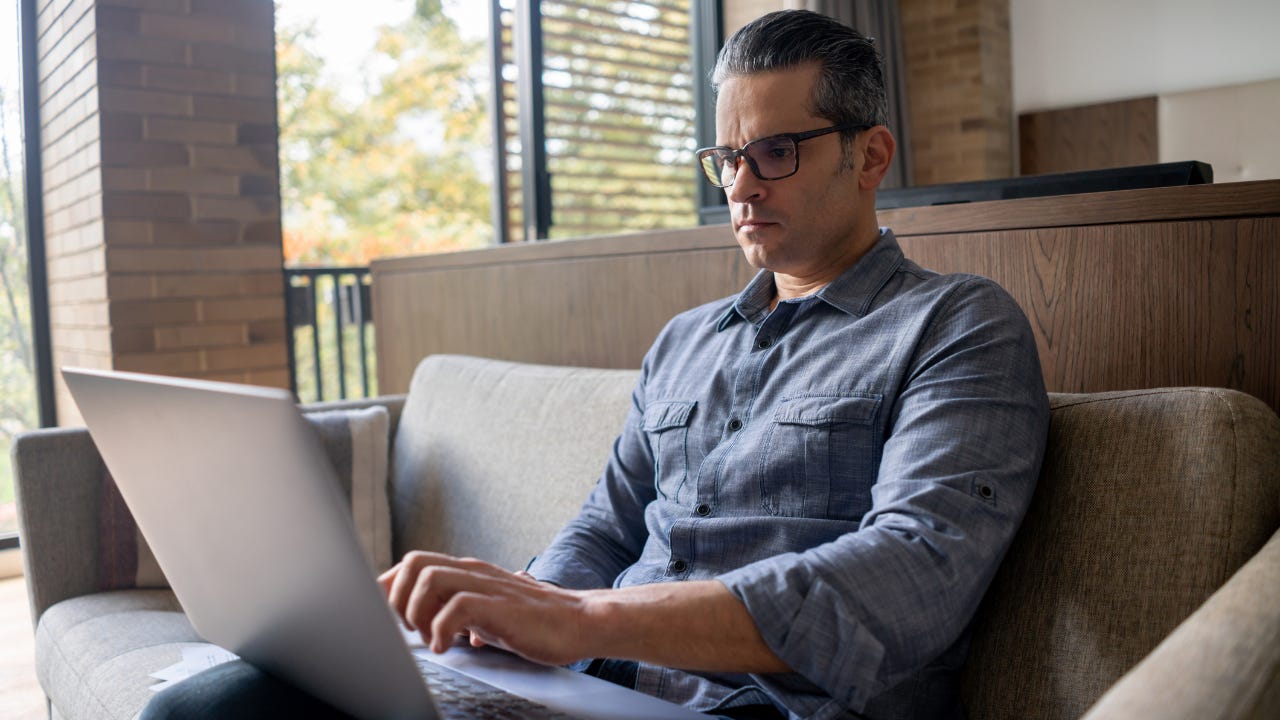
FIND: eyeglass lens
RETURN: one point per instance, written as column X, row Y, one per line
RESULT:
column 771, row 158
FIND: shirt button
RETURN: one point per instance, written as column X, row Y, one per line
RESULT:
column 764, row 343
column 703, row 509
column 678, row 566
column 735, row 425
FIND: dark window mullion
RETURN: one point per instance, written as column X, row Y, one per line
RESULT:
column 37, row 277
column 533, row 148
column 499, row 214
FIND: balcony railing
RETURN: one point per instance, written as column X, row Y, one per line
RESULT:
column 331, row 354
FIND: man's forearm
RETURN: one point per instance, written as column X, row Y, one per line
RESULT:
column 687, row 625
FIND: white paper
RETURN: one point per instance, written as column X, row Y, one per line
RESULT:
column 195, row 658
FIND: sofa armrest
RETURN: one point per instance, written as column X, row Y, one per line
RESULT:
column 1223, row 662
column 57, row 476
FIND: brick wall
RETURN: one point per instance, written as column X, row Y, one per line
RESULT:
column 959, row 88
column 161, row 188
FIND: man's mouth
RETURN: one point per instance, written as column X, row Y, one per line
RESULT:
column 750, row 224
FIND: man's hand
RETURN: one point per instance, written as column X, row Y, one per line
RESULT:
column 442, row 596
column 694, row 625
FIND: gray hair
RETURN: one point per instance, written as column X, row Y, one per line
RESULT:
column 850, row 88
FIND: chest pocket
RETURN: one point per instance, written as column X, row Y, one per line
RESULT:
column 821, row 457
column 666, row 423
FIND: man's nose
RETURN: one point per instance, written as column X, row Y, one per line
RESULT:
column 746, row 186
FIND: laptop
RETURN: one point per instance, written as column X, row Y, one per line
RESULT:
column 234, row 494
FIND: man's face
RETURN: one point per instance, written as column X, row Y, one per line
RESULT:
column 803, row 225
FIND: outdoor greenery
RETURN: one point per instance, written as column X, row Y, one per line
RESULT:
column 395, row 172
column 17, row 384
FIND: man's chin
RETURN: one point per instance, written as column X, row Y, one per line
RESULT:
column 761, row 259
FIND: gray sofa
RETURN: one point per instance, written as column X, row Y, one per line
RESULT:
column 1145, row 582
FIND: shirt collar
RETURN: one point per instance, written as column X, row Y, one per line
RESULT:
column 852, row 292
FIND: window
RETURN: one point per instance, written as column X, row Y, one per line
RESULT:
column 610, row 101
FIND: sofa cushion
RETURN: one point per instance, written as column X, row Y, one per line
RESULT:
column 356, row 441
column 491, row 458
column 357, row 444
column 94, row 653
column 1148, row 502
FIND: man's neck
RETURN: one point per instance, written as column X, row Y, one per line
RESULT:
column 788, row 287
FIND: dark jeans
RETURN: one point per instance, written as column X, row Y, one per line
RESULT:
column 239, row 690
column 236, row 690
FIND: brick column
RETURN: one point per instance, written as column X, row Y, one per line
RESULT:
column 959, row 89
column 161, row 189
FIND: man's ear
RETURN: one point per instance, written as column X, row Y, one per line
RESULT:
column 877, row 154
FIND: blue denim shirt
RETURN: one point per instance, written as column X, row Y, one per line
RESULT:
column 851, row 465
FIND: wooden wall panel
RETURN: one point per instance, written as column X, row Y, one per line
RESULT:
column 1091, row 137
column 597, row 311
column 1138, row 305
column 1134, row 289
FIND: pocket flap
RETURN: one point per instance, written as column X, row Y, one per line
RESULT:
column 819, row 410
column 667, row 414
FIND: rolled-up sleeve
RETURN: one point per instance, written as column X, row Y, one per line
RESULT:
column 965, row 440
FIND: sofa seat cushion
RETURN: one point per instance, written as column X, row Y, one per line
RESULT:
column 95, row 653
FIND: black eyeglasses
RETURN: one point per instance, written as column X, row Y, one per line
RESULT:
column 770, row 158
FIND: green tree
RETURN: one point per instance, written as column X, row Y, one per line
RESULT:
column 397, row 173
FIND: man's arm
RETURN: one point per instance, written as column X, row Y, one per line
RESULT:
column 689, row 625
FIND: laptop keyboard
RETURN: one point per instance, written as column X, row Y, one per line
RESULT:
column 462, row 696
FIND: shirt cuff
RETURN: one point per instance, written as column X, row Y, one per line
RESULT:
column 565, row 571
column 809, row 625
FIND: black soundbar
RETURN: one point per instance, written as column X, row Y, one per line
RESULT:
column 1190, row 172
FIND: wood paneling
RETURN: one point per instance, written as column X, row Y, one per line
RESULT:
column 598, row 310
column 1118, row 307
column 1091, row 137
column 1134, row 289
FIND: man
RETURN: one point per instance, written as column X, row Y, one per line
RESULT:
column 831, row 464
column 819, row 476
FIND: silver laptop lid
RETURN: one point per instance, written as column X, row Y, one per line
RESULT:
column 235, row 496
